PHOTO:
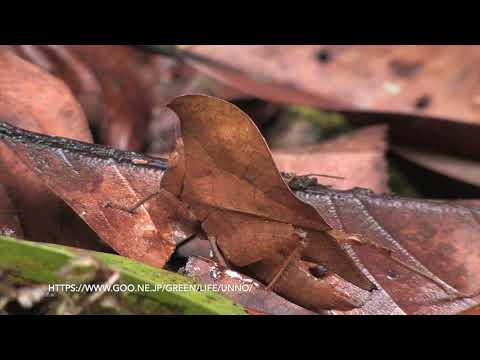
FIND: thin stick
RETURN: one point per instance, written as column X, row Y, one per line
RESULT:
column 451, row 292
column 139, row 203
column 216, row 251
column 287, row 261
column 327, row 176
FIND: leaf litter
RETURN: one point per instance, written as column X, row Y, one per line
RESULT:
column 219, row 191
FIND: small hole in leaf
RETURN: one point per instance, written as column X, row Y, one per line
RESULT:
column 423, row 102
column 392, row 275
column 324, row 56
column 319, row 271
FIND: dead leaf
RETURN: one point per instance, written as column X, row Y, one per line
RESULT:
column 126, row 101
column 431, row 243
column 357, row 157
column 59, row 61
column 235, row 190
column 32, row 99
column 378, row 78
column 123, row 90
column 408, row 86
column 438, row 237
column 257, row 85
column 105, row 80
column 224, row 150
column 99, row 183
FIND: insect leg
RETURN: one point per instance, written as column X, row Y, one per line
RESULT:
column 354, row 239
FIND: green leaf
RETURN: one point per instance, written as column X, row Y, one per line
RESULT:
column 42, row 263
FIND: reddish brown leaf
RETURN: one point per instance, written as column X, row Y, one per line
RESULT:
column 397, row 79
column 435, row 235
column 358, row 157
column 255, row 84
column 440, row 238
column 122, row 90
column 224, row 150
column 62, row 63
column 99, row 183
column 126, row 101
column 106, row 81
column 426, row 104
column 432, row 245
column 235, row 190
column 257, row 298
column 298, row 283
column 32, row 99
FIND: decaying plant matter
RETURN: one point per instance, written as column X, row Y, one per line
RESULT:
column 261, row 228
column 307, row 244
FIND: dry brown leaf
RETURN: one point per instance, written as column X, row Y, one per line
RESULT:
column 235, row 190
column 123, row 90
column 435, row 237
column 32, row 99
column 59, row 61
column 126, row 101
column 106, row 81
column 224, row 150
column 437, row 81
column 433, row 246
column 428, row 94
